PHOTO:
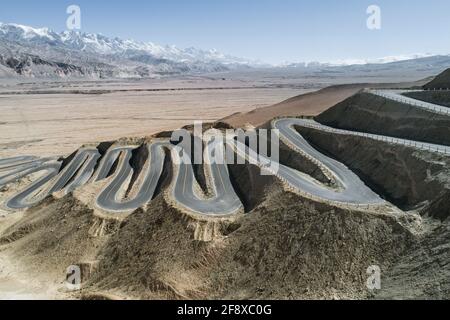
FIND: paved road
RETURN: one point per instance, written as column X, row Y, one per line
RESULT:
column 424, row 146
column 109, row 199
column 74, row 175
column 6, row 163
column 31, row 195
column 13, row 169
column 185, row 191
column 397, row 95
column 77, row 172
column 350, row 189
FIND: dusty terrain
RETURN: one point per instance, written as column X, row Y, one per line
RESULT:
column 284, row 246
column 271, row 252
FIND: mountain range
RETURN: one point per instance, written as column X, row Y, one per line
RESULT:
column 42, row 53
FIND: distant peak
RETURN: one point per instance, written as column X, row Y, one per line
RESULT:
column 101, row 44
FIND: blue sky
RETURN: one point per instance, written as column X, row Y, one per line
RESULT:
column 270, row 30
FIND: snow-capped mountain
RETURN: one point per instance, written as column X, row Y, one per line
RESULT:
column 42, row 53
column 23, row 48
column 99, row 44
column 360, row 62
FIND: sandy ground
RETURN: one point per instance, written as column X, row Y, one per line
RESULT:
column 310, row 104
column 16, row 282
column 14, row 285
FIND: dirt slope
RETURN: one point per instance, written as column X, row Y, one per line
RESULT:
column 408, row 178
column 442, row 81
column 310, row 104
column 436, row 97
column 373, row 114
column 287, row 247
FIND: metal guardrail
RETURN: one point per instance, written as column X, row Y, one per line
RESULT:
column 437, row 89
column 412, row 102
column 390, row 140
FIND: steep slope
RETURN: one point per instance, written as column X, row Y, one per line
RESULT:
column 442, row 81
column 373, row 114
column 408, row 178
column 272, row 252
column 439, row 97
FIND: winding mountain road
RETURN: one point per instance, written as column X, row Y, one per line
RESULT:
column 109, row 198
column 115, row 171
